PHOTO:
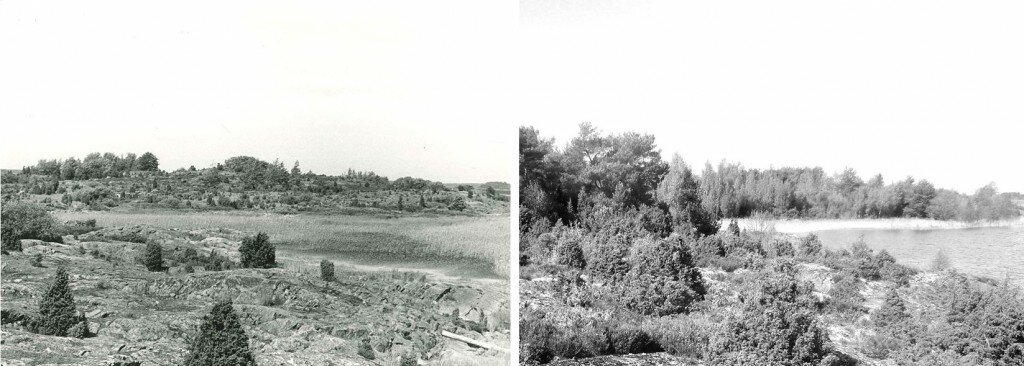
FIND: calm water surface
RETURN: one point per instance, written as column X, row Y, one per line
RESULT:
column 995, row 252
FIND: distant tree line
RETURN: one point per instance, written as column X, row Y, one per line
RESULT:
column 251, row 173
column 730, row 190
column 629, row 169
column 95, row 165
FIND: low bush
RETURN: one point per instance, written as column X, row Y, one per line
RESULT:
column 777, row 326
column 327, row 270
column 658, row 295
column 36, row 260
column 257, row 251
column 216, row 262
column 781, row 248
column 569, row 252
column 867, row 264
column 844, row 296
column 77, row 227
column 809, row 245
column 664, row 258
column 741, row 245
column 707, row 249
column 687, row 336
column 25, row 221
column 606, row 256
column 629, row 338
column 153, row 257
column 892, row 311
column 541, row 340
column 572, row 289
column 80, row 329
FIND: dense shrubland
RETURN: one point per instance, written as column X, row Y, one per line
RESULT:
column 100, row 182
column 621, row 254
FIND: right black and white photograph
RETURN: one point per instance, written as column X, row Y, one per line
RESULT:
column 770, row 183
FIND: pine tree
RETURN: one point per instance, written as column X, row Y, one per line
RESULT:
column 57, row 308
column 153, row 259
column 257, row 252
column 221, row 340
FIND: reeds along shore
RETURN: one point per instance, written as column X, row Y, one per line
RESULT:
column 811, row 225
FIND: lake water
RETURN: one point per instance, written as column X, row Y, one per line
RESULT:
column 995, row 252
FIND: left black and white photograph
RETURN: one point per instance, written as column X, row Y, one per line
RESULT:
column 254, row 183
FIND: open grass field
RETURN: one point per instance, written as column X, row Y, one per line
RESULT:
column 479, row 243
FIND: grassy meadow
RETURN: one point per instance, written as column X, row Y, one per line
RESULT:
column 480, row 242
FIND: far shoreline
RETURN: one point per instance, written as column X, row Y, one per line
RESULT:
column 798, row 226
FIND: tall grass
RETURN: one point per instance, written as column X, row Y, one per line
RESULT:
column 426, row 238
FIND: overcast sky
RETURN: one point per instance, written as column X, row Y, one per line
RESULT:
column 933, row 89
column 435, row 89
column 403, row 89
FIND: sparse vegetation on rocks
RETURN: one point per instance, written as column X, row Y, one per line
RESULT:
column 193, row 224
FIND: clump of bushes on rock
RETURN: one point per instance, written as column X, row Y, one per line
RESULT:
column 970, row 323
column 777, row 326
column 25, row 221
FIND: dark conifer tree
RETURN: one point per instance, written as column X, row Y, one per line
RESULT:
column 327, row 270
column 221, row 340
column 257, row 252
column 153, row 258
column 57, row 308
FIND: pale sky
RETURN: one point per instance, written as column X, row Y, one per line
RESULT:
column 401, row 88
column 932, row 89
